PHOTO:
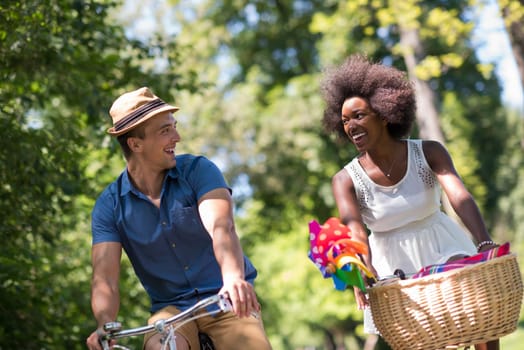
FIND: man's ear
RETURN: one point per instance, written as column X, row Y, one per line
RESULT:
column 134, row 144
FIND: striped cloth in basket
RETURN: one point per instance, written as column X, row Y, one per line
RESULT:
column 474, row 259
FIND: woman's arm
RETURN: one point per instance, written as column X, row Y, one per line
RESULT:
column 349, row 211
column 459, row 197
column 348, row 208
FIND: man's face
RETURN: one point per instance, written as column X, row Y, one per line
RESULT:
column 157, row 148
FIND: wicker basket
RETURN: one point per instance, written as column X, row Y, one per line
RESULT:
column 457, row 308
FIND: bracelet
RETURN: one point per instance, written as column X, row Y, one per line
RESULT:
column 483, row 243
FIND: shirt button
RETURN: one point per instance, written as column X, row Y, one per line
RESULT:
column 186, row 267
column 164, row 223
column 173, row 245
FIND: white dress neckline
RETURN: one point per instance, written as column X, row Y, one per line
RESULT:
column 395, row 185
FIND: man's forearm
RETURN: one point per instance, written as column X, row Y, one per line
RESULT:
column 229, row 254
column 105, row 302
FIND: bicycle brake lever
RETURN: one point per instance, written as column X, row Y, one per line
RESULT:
column 109, row 328
column 103, row 338
column 224, row 304
column 112, row 327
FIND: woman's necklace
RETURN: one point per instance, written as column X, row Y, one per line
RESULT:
column 388, row 173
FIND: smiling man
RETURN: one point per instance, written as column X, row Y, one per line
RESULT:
column 173, row 216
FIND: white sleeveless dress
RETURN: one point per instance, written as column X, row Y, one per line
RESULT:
column 408, row 228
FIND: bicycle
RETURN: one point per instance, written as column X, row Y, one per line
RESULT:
column 166, row 327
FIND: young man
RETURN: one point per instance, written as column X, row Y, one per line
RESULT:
column 173, row 216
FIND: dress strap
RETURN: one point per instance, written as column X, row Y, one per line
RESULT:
column 424, row 171
column 362, row 188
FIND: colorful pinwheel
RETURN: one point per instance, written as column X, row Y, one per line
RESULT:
column 336, row 254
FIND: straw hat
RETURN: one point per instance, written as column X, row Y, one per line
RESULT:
column 135, row 107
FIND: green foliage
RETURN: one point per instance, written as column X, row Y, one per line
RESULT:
column 62, row 64
column 459, row 131
column 273, row 36
column 509, row 180
column 245, row 74
column 39, row 182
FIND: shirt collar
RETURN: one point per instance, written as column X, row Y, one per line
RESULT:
column 127, row 186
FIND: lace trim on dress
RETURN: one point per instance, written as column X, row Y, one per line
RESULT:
column 362, row 189
column 425, row 174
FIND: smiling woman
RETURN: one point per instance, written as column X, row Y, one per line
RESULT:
column 393, row 186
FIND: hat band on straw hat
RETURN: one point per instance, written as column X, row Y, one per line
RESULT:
column 139, row 113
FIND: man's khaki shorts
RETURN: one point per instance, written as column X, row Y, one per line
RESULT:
column 226, row 330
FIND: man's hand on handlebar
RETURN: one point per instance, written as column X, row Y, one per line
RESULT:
column 242, row 296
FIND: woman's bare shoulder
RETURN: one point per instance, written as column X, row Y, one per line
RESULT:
column 342, row 178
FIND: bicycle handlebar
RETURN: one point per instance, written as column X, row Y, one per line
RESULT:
column 114, row 329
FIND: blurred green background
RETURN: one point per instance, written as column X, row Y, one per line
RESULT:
column 245, row 74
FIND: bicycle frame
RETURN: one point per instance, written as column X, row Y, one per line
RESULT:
column 166, row 327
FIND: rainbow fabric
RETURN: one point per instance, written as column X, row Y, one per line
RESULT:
column 474, row 259
column 336, row 255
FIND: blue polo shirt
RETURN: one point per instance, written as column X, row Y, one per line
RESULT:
column 169, row 248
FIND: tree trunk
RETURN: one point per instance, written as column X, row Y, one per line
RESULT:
column 427, row 115
column 515, row 29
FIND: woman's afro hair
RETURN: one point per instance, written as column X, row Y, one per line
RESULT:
column 388, row 91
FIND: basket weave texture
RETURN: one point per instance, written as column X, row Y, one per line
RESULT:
column 460, row 307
